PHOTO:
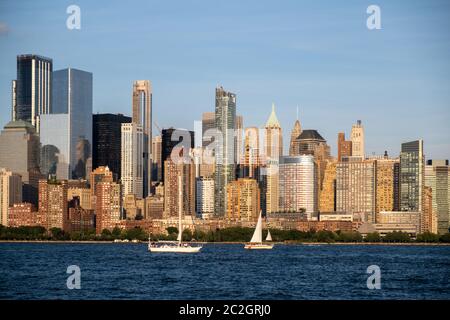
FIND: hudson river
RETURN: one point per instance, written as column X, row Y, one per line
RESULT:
column 223, row 271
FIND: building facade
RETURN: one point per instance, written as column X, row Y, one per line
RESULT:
column 142, row 115
column 356, row 187
column 225, row 168
column 298, row 187
column 107, row 142
column 10, row 193
column 412, row 176
column 33, row 88
column 205, row 197
column 437, row 177
column 358, row 140
column 243, row 200
column 132, row 162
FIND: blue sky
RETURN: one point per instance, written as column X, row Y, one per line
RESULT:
column 315, row 54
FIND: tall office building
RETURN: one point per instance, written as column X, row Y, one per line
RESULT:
column 295, row 133
column 412, row 175
column 429, row 219
column 386, row 183
column 100, row 174
column 182, row 139
column 238, row 143
column 204, row 197
column 356, row 187
column 273, row 150
column 108, row 204
column 10, row 193
column 251, row 161
column 437, row 176
column 142, row 115
column 344, row 146
column 33, row 85
column 53, row 203
column 157, row 159
column 172, row 173
column 132, row 162
column 357, row 138
column 243, row 203
column 107, row 142
column 19, row 153
column 327, row 198
column 298, row 187
column 208, row 123
column 225, row 158
column 66, row 133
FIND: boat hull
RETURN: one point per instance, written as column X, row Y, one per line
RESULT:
column 258, row 246
column 175, row 249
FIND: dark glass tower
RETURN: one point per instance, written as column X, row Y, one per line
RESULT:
column 106, row 136
column 170, row 138
column 33, row 88
column 412, row 174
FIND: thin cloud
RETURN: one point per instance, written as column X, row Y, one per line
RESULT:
column 3, row 28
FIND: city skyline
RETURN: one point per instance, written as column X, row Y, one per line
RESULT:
column 334, row 80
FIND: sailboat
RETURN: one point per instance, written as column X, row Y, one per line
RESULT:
column 175, row 246
column 256, row 241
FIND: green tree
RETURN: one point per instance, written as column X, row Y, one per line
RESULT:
column 116, row 232
column 397, row 236
column 445, row 238
column 373, row 237
column 105, row 235
column 427, row 237
column 186, row 235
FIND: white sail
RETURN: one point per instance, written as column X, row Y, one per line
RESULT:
column 257, row 235
column 269, row 236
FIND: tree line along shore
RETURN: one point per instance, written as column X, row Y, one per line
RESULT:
column 227, row 235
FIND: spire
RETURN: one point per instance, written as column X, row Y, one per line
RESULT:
column 273, row 120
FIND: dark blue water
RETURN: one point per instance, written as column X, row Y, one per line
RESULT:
column 129, row 271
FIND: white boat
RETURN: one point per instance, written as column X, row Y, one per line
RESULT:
column 256, row 241
column 174, row 246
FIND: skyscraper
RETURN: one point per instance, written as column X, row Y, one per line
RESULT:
column 344, row 146
column 106, row 141
column 327, row 198
column 66, row 132
column 412, row 174
column 386, row 183
column 205, row 197
column 19, row 153
column 243, row 200
column 437, row 176
column 132, row 166
column 208, row 122
column 357, row 138
column 10, row 193
column 273, row 150
column 157, row 159
column 173, row 172
column 298, row 187
column 295, row 133
column 239, row 147
column 171, row 138
column 107, row 206
column 142, row 115
column 33, row 88
column 356, row 187
column 225, row 158
column 53, row 203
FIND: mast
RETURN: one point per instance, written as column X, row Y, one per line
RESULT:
column 180, row 209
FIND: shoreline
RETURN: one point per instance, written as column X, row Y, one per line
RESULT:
column 241, row 243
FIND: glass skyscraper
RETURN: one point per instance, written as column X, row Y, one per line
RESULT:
column 33, row 91
column 106, row 137
column 412, row 163
column 225, row 158
column 66, row 133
